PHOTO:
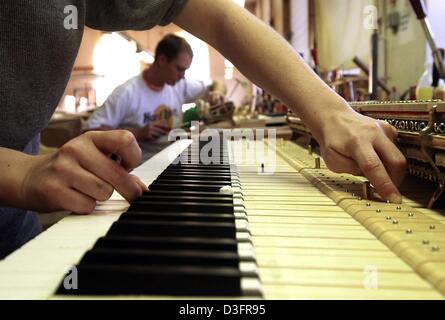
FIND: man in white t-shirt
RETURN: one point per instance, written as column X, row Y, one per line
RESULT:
column 150, row 104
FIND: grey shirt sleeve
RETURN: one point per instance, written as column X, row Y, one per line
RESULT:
column 116, row 15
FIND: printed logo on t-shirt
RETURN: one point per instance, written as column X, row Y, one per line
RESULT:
column 162, row 116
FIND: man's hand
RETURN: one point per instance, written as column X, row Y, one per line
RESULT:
column 81, row 173
column 217, row 93
column 353, row 143
column 216, row 98
column 150, row 132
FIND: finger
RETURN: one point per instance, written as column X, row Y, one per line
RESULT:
column 389, row 130
column 90, row 185
column 95, row 161
column 157, row 130
column 119, row 142
column 118, row 178
column 113, row 173
column 166, row 129
column 145, row 131
column 131, row 189
column 371, row 166
column 393, row 160
column 340, row 163
column 143, row 186
column 75, row 201
column 92, row 159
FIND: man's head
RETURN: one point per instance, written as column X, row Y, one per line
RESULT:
column 173, row 57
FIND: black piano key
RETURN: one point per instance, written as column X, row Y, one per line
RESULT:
column 179, row 176
column 187, row 181
column 185, row 187
column 224, row 169
column 219, row 173
column 173, row 229
column 164, row 206
column 200, row 182
column 211, row 162
column 162, row 243
column 151, row 258
column 200, row 167
column 175, row 216
column 212, row 156
column 173, row 197
column 203, row 174
column 190, row 153
column 187, row 154
column 180, row 193
column 136, row 280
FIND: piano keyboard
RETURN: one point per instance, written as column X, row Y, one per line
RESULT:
column 188, row 236
column 307, row 245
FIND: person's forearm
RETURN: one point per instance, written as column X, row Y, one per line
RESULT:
column 262, row 55
column 13, row 166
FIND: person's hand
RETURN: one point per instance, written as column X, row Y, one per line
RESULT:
column 81, row 172
column 353, row 143
column 216, row 98
column 151, row 132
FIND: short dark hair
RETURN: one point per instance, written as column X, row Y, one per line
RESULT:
column 171, row 46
